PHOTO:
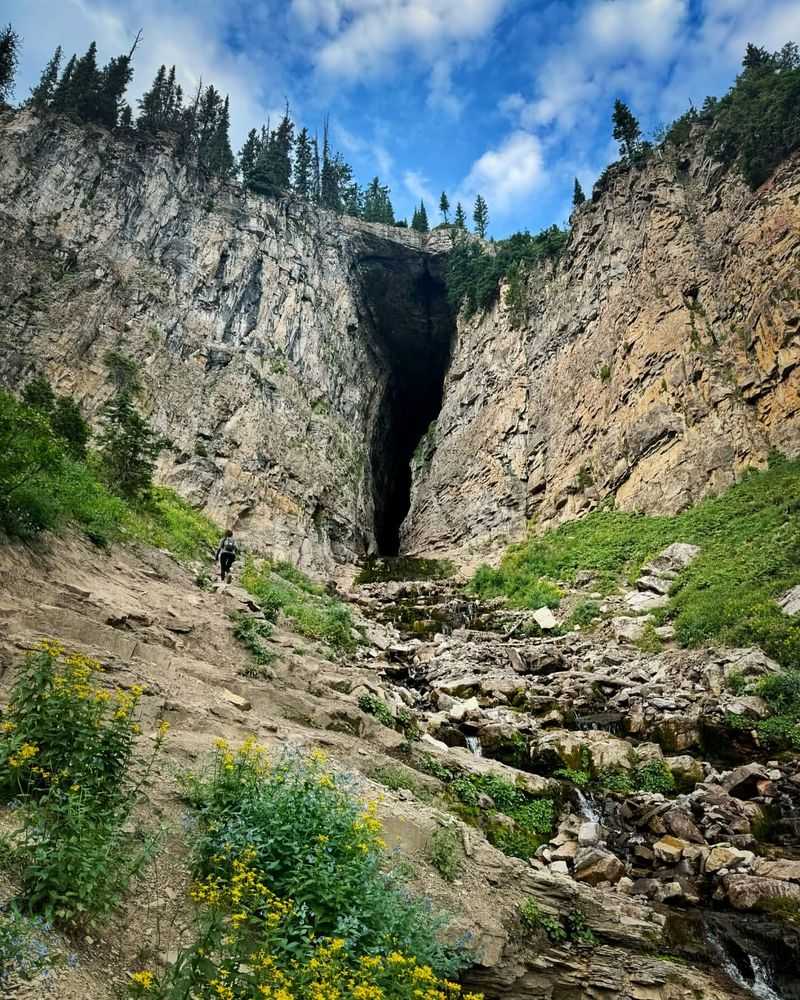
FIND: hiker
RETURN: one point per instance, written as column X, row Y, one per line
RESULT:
column 226, row 553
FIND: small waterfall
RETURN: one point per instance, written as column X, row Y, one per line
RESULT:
column 474, row 745
column 757, row 983
column 588, row 810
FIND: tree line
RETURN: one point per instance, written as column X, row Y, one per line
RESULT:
column 272, row 161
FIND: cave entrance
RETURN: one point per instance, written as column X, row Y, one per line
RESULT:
column 414, row 328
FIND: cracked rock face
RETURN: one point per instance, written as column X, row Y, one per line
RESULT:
column 656, row 362
column 292, row 357
column 252, row 322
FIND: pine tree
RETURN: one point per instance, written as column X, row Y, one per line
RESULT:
column 354, row 201
column 329, row 182
column 248, row 155
column 420, row 219
column 84, row 87
column 128, row 447
column 282, row 144
column 221, row 161
column 303, row 165
column 68, row 423
column 578, row 197
column 61, row 93
column 151, row 103
column 9, row 59
column 444, row 207
column 626, row 130
column 316, row 173
column 112, row 84
column 480, row 216
column 377, row 205
column 42, row 93
column 125, row 116
column 460, row 218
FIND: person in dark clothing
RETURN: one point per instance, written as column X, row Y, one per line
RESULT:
column 226, row 554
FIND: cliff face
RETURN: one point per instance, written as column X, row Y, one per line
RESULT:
column 655, row 363
column 264, row 332
column 295, row 358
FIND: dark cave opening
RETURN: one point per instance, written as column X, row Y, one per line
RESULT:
column 414, row 327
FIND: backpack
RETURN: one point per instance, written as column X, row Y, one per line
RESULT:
column 228, row 546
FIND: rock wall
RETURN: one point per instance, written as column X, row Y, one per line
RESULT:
column 655, row 363
column 285, row 351
column 249, row 319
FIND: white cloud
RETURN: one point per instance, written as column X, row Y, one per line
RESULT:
column 506, row 175
column 417, row 185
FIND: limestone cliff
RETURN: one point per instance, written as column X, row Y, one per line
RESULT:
column 656, row 362
column 295, row 358
column 264, row 331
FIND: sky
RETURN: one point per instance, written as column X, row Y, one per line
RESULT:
column 508, row 98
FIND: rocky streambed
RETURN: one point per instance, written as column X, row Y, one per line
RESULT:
column 606, row 755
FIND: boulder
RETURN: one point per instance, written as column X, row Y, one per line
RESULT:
column 790, row 602
column 639, row 601
column 590, row 833
column 595, row 864
column 545, row 618
column 672, row 559
column 742, row 782
column 785, row 869
column 748, row 892
column 686, row 770
column 669, row 850
column 236, row 700
column 724, row 856
column 628, row 629
column 680, row 824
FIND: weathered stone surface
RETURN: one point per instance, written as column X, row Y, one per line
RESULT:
column 790, row 601
column 747, row 892
column 669, row 849
column 724, row 856
column 594, row 865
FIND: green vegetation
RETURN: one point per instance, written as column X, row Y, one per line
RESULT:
column 781, row 730
column 373, row 705
column 44, row 487
column 384, row 569
column 68, row 757
column 294, row 825
column 282, row 587
column 750, row 542
column 533, row 818
column 580, row 776
column 474, row 274
column 571, row 927
column 24, row 951
column 445, row 852
column 756, row 124
column 252, row 632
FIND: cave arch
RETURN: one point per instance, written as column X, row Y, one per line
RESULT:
column 412, row 328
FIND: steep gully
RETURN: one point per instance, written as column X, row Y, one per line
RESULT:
column 705, row 854
column 412, row 329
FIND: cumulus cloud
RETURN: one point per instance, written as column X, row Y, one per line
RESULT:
column 506, row 174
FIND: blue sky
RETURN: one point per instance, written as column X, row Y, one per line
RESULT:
column 511, row 98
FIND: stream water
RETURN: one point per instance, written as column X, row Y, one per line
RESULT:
column 756, row 979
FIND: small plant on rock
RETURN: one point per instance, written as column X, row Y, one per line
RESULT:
column 445, row 853
column 252, row 632
column 373, row 705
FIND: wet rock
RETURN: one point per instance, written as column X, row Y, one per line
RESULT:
column 590, row 833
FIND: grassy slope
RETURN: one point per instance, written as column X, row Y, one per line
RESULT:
column 750, row 541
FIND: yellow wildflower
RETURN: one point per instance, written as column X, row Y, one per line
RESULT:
column 144, row 979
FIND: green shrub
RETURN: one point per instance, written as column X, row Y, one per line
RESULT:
column 445, row 853
column 311, row 612
column 252, row 632
column 571, row 927
column 782, row 692
column 304, row 834
column 514, row 582
column 67, row 754
column 373, row 705
column 654, row 776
